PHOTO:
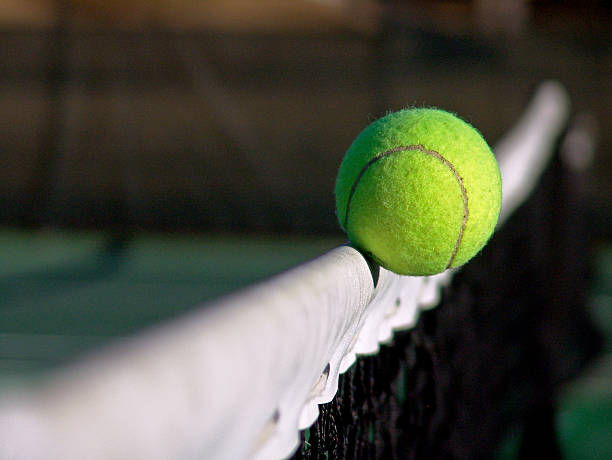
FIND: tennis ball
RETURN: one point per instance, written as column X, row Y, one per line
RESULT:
column 419, row 190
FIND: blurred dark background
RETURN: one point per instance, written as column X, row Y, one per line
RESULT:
column 233, row 115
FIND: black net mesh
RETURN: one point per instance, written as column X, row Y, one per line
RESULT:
column 511, row 328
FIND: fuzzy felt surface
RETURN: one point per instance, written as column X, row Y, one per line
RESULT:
column 419, row 190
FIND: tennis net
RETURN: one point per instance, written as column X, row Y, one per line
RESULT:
column 339, row 358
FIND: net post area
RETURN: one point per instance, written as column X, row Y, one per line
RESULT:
column 510, row 329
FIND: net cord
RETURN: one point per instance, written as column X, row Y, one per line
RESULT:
column 240, row 377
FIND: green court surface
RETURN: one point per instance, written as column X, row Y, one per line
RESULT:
column 62, row 293
column 585, row 418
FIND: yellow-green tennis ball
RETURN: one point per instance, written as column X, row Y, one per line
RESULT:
column 419, row 190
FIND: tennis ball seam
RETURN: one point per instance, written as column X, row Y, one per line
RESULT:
column 426, row 151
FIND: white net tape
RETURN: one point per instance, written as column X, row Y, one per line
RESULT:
column 239, row 378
